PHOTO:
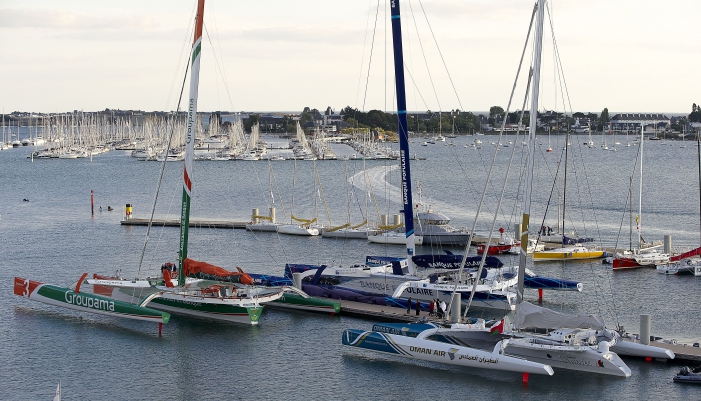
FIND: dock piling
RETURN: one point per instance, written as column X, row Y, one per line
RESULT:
column 297, row 280
column 645, row 324
column 455, row 308
column 668, row 244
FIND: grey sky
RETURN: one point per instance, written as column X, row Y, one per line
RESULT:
column 626, row 55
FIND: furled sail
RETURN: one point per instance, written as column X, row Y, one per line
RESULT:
column 532, row 316
column 206, row 271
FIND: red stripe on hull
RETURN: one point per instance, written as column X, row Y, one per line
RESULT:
column 494, row 249
column 625, row 263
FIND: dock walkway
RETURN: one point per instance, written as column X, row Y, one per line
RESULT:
column 193, row 223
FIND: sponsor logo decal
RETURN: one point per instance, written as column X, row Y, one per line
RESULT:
column 376, row 286
column 419, row 291
column 88, row 302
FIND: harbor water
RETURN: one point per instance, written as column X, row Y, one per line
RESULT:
column 52, row 237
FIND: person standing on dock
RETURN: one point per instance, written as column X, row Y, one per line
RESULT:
column 408, row 305
column 432, row 308
column 443, row 307
column 418, row 307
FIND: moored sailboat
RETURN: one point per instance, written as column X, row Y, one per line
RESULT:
column 201, row 289
column 643, row 255
column 573, row 341
column 421, row 348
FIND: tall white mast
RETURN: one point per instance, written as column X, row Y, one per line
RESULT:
column 538, row 45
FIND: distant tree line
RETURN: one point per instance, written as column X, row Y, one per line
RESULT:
column 465, row 122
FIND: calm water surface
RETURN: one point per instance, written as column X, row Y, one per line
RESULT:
column 53, row 238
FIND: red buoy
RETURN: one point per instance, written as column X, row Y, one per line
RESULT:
column 524, row 378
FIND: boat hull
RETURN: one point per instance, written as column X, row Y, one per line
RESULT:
column 297, row 230
column 444, row 238
column 554, row 255
column 494, row 249
column 263, row 227
column 309, row 304
column 85, row 302
column 229, row 313
column 238, row 310
column 586, row 359
column 629, row 348
column 394, row 239
column 435, row 351
column 351, row 234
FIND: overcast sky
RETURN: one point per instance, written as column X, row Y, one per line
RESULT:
column 283, row 55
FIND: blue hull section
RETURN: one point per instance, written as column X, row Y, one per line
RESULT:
column 548, row 283
column 403, row 329
column 270, row 281
column 370, row 340
column 345, row 288
column 346, row 294
column 453, row 261
column 573, row 241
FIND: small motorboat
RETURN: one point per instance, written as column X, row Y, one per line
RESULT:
column 688, row 375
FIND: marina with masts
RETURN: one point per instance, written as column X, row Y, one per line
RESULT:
column 487, row 297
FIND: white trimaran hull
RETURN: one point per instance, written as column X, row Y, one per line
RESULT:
column 434, row 351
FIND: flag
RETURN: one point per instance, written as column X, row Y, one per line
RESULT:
column 497, row 328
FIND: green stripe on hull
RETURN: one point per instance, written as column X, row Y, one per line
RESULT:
column 213, row 311
column 312, row 304
column 60, row 296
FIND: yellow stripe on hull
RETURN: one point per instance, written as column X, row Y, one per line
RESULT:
column 552, row 255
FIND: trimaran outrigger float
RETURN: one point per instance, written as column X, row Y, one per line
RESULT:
column 86, row 302
column 421, row 348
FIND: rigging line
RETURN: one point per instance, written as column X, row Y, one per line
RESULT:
column 550, row 198
column 629, row 199
column 216, row 31
column 487, row 181
column 563, row 85
column 216, row 61
column 416, row 88
column 279, row 194
column 518, row 71
column 163, row 167
column 501, row 198
column 372, row 48
column 362, row 62
column 421, row 46
column 219, row 68
column 184, row 48
column 323, row 194
column 440, row 53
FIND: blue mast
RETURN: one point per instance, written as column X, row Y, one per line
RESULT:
column 402, row 132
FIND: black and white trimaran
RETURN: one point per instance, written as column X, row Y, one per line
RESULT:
column 576, row 342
